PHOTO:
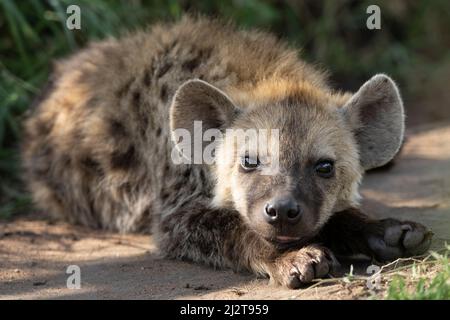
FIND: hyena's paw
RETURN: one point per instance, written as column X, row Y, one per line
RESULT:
column 400, row 239
column 297, row 268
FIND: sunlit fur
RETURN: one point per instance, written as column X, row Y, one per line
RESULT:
column 96, row 149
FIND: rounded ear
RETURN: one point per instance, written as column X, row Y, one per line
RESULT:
column 197, row 107
column 376, row 116
column 197, row 100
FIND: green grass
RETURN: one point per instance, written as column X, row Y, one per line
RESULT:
column 436, row 287
column 414, row 40
column 416, row 278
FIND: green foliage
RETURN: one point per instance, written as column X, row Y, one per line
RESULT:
column 414, row 40
column 437, row 288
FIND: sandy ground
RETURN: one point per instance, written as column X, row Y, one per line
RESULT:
column 34, row 252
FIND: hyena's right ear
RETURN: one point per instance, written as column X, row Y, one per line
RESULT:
column 196, row 107
column 376, row 116
column 197, row 100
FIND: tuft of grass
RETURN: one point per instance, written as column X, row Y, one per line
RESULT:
column 436, row 287
column 426, row 277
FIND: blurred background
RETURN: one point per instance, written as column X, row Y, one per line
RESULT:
column 413, row 46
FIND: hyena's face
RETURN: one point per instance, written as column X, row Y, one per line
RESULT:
column 313, row 153
column 288, row 184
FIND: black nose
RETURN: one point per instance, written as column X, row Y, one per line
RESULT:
column 286, row 209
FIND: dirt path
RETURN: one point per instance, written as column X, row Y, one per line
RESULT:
column 34, row 254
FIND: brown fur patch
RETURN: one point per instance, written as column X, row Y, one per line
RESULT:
column 124, row 160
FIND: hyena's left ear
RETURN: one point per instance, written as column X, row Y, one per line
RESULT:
column 377, row 118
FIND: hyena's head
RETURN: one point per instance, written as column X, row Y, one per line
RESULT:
column 308, row 167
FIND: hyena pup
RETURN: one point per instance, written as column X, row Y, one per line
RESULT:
column 98, row 144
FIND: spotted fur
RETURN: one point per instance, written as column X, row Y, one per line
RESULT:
column 97, row 148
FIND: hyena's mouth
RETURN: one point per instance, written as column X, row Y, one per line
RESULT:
column 284, row 242
column 285, row 239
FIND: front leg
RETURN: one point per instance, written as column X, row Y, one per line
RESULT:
column 298, row 267
column 220, row 238
column 351, row 232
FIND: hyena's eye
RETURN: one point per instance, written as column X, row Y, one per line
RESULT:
column 325, row 168
column 249, row 163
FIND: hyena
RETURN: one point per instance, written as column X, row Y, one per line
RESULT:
column 98, row 144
